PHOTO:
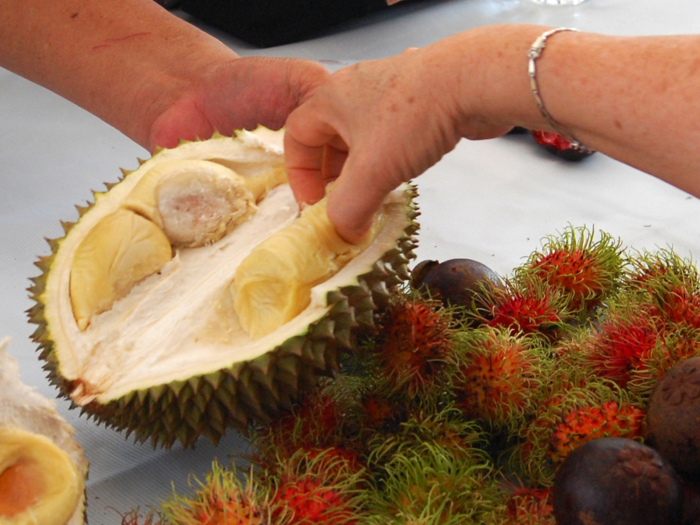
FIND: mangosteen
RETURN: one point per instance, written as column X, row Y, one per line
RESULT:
column 560, row 146
column 455, row 282
column 673, row 416
column 691, row 501
column 617, row 481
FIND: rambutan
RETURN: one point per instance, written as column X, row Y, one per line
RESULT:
column 528, row 506
column 220, row 500
column 673, row 346
column 321, row 487
column 610, row 419
column 498, row 376
column 585, row 268
column 567, row 417
column 326, row 417
column 413, row 346
column 527, row 305
column 428, row 484
column 445, row 428
column 621, row 343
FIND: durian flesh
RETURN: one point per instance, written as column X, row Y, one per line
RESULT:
column 42, row 468
column 170, row 359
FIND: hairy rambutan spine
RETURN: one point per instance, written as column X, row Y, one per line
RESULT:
column 526, row 305
column 622, row 342
column 537, row 457
column 498, row 376
column 413, row 346
column 321, row 488
column 429, row 484
column 221, row 499
column 530, row 506
column 671, row 347
column 585, row 267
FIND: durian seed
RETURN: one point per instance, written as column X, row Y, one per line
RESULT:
column 273, row 283
column 195, row 202
column 121, row 249
column 38, row 481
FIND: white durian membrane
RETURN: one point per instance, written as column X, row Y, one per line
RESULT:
column 181, row 322
column 37, row 444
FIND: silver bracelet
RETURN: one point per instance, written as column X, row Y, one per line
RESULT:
column 535, row 53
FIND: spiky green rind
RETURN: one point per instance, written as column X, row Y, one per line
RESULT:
column 586, row 267
column 253, row 391
column 430, row 485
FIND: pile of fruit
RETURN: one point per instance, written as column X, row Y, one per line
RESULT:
column 529, row 399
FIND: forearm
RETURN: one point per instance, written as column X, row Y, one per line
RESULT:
column 633, row 98
column 124, row 61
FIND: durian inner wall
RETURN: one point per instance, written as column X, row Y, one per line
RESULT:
column 491, row 201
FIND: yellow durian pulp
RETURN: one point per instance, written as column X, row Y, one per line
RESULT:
column 273, row 284
column 39, row 485
column 42, row 467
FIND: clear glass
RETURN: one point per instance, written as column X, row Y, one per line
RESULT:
column 559, row 2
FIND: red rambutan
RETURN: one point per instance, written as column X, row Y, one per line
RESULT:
column 413, row 345
column 498, row 375
column 584, row 268
column 317, row 487
column 528, row 306
column 621, row 343
column 220, row 500
column 528, row 506
column 610, row 419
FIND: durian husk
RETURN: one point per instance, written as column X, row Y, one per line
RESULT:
column 24, row 410
column 250, row 392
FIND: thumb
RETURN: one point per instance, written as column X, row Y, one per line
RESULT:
column 356, row 197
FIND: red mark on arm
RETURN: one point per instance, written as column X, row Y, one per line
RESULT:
column 111, row 41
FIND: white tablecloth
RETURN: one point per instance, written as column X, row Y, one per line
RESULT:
column 492, row 201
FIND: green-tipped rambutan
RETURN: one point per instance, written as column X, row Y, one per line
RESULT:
column 670, row 284
column 498, row 376
column 568, row 417
column 429, row 485
column 528, row 306
column 445, row 428
column 621, row 343
column 320, row 488
column 414, row 346
column 586, row 268
column 671, row 347
column 326, row 417
column 528, row 506
column 221, row 499
column 610, row 419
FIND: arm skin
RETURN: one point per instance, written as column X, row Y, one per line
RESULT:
column 148, row 73
column 381, row 123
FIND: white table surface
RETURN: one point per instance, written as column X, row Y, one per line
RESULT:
column 492, row 201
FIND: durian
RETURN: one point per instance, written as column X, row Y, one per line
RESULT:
column 42, row 467
column 224, row 325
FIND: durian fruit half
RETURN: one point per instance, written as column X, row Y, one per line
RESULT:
column 192, row 296
column 42, row 467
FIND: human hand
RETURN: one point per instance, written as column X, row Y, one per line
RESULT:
column 236, row 94
column 371, row 127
